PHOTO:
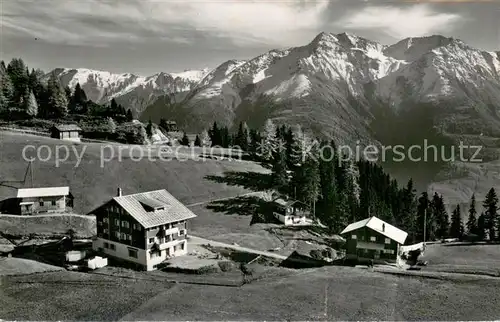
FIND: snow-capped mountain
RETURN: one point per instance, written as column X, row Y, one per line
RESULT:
column 331, row 84
column 130, row 90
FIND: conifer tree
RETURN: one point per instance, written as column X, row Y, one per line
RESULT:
column 197, row 141
column 68, row 93
column 20, row 81
column 441, row 217
column 306, row 182
column 185, row 140
column 407, row 218
column 456, row 228
column 328, row 211
column 243, row 137
column 280, row 174
column 149, row 129
column 205, row 138
column 481, row 226
column 6, row 92
column 490, row 205
column 301, row 146
column 111, row 125
column 472, row 221
column 129, row 115
column 31, row 106
column 57, row 102
column 269, row 142
column 215, row 135
column 423, row 216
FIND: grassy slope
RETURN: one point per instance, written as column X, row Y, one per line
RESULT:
column 92, row 185
column 333, row 293
column 84, row 226
column 14, row 266
column 463, row 258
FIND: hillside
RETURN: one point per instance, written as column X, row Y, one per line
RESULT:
column 92, row 185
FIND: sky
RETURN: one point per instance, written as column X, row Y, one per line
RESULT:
column 148, row 36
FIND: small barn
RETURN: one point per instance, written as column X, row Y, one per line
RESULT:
column 69, row 132
column 373, row 238
column 43, row 200
column 288, row 212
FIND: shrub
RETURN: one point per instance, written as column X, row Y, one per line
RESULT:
column 316, row 254
column 207, row 270
column 226, row 266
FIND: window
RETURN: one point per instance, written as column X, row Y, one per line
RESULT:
column 182, row 246
column 117, row 234
column 106, row 245
column 354, row 237
column 105, row 231
column 125, row 224
column 132, row 253
column 53, row 202
column 41, row 203
column 99, row 223
column 387, row 241
column 373, row 238
column 117, row 222
column 181, row 232
column 389, row 251
column 136, row 226
column 123, row 236
column 151, row 240
column 112, row 246
column 105, row 220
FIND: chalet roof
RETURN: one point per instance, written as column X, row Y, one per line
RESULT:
column 174, row 209
column 67, row 127
column 285, row 203
column 42, row 192
column 375, row 223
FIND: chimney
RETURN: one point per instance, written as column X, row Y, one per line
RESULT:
column 119, row 192
column 383, row 227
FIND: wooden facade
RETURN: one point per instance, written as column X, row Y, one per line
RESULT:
column 66, row 132
column 366, row 243
column 121, row 235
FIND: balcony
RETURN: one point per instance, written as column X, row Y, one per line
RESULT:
column 168, row 244
column 165, row 232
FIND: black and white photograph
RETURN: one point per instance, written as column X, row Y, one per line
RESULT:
column 249, row 160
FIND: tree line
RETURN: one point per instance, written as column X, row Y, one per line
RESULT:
column 25, row 94
column 339, row 192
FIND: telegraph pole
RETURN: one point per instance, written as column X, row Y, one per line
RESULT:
column 31, row 172
column 425, row 226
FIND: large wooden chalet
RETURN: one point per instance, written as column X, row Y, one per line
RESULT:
column 372, row 238
column 144, row 228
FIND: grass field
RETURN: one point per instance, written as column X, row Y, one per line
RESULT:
column 463, row 258
column 92, row 185
column 18, row 266
column 83, row 226
column 333, row 293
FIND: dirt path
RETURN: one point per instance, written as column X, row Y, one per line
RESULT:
column 221, row 199
column 203, row 241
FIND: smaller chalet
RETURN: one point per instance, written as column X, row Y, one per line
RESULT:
column 42, row 200
column 70, row 132
column 288, row 213
column 373, row 238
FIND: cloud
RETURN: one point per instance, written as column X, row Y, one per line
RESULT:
column 96, row 23
column 414, row 21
